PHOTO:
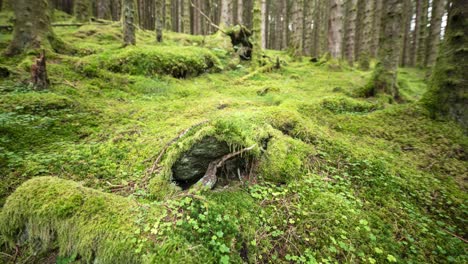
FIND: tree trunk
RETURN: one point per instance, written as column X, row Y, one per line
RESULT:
column 226, row 13
column 407, row 16
column 316, row 29
column 376, row 27
column 308, row 22
column 103, row 9
column 434, row 32
column 366, row 36
column 82, row 10
column 185, row 16
column 264, row 15
column 257, row 34
column 335, row 29
column 128, row 15
column 159, row 20
column 384, row 80
column 240, row 12
column 447, row 94
column 422, row 34
column 116, row 10
column 350, row 31
column 297, row 28
column 32, row 27
column 284, row 32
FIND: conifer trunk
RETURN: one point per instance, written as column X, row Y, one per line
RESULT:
column 103, row 9
column 159, row 20
column 128, row 15
column 257, row 34
column 434, row 32
column 376, row 27
column 350, row 31
column 384, row 80
column 82, row 10
column 264, row 23
column 422, row 33
column 240, row 12
column 32, row 27
column 366, row 35
column 408, row 13
column 448, row 89
column 335, row 29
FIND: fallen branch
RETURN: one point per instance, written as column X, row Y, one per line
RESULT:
column 459, row 237
column 209, row 179
column 207, row 18
column 10, row 27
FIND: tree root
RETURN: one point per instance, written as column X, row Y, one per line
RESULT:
column 209, row 179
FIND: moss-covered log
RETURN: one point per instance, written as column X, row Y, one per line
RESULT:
column 448, row 90
column 32, row 27
column 49, row 213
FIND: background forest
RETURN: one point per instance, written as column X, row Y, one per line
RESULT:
column 233, row 131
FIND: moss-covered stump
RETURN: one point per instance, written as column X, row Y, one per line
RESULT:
column 49, row 213
column 179, row 62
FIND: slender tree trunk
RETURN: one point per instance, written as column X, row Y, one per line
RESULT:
column 116, row 9
column 384, row 80
column 257, row 34
column 335, row 29
column 407, row 16
column 82, row 10
column 325, row 12
column 240, row 12
column 308, row 21
column 316, row 29
column 297, row 28
column 447, row 94
column 159, row 20
column 366, row 36
column 226, row 13
column 128, row 15
column 376, row 27
column 32, row 27
column 186, row 16
column 264, row 23
column 103, row 9
column 284, row 32
column 434, row 32
column 350, row 32
column 422, row 37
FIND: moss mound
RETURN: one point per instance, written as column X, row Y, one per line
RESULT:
column 179, row 62
column 48, row 213
column 340, row 105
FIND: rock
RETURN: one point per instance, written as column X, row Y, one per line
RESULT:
column 192, row 165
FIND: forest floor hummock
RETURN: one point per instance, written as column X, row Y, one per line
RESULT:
column 331, row 177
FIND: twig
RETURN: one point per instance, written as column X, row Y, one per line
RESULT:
column 207, row 18
column 459, row 237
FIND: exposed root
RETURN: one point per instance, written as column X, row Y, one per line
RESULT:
column 209, row 179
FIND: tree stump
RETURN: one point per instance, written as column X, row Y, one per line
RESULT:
column 39, row 73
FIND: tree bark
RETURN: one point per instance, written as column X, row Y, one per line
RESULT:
column 128, row 15
column 407, row 16
column 159, row 20
column 376, row 27
column 264, row 15
column 447, row 94
column 103, row 9
column 434, row 32
column 240, row 12
column 226, row 13
column 366, row 36
column 32, row 27
column 297, row 28
column 422, row 34
column 257, row 34
column 186, row 16
column 350, row 32
column 384, row 80
column 335, row 29
column 82, row 10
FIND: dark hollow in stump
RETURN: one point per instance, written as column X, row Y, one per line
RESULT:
column 194, row 164
column 39, row 73
column 240, row 39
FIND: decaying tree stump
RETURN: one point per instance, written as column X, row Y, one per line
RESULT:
column 39, row 73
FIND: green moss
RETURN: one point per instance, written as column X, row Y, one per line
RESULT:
column 34, row 103
column 51, row 212
column 340, row 105
column 179, row 62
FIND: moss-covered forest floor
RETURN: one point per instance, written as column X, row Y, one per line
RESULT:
column 335, row 178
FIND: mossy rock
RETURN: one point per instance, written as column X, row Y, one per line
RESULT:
column 179, row 62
